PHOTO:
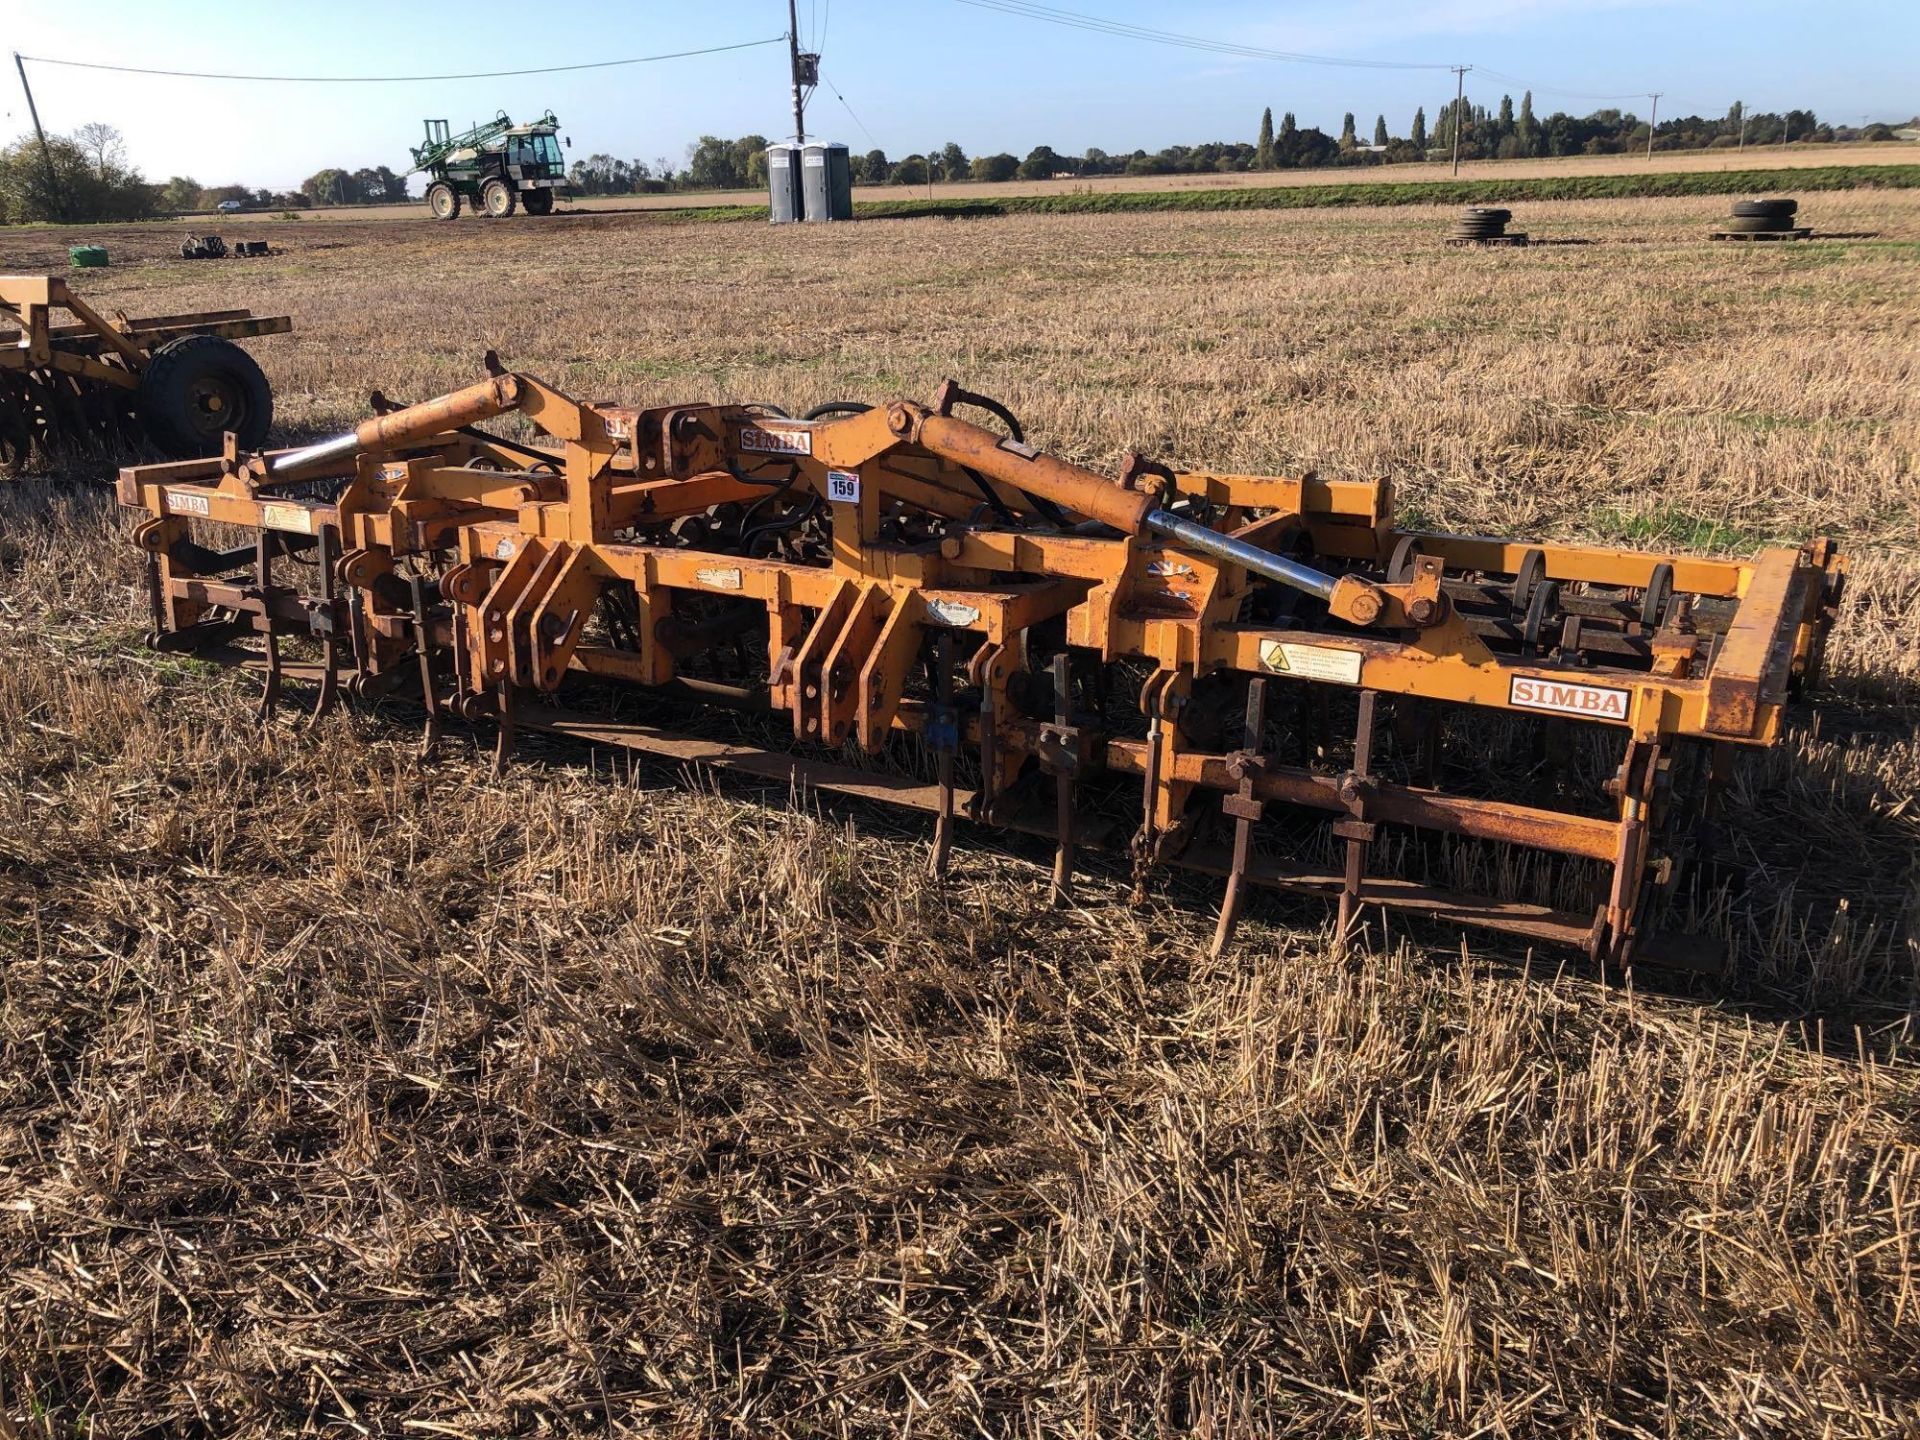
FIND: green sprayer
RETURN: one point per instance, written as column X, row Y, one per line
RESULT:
column 495, row 167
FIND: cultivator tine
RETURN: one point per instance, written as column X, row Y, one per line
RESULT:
column 1146, row 842
column 983, row 668
column 943, row 734
column 1355, row 829
column 504, row 736
column 423, row 645
column 846, row 550
column 327, row 616
column 1634, row 786
column 1246, row 808
column 1064, row 761
column 263, row 548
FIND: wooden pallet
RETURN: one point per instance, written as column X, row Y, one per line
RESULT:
column 1515, row 239
column 1804, row 232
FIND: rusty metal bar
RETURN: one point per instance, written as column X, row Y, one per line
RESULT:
column 479, row 402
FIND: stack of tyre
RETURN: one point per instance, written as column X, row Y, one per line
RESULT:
column 1483, row 224
column 1761, row 217
column 203, row 247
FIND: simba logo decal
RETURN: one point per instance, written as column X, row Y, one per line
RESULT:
column 763, row 441
column 1594, row 702
column 185, row 502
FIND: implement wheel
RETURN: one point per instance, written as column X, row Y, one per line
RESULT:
column 539, row 202
column 498, row 198
column 197, row 388
column 443, row 201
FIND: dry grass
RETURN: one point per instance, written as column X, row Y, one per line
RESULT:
column 341, row 1095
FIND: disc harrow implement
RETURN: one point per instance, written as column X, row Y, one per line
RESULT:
column 179, row 381
column 1255, row 676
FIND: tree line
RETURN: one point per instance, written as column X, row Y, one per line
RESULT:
column 1505, row 131
column 86, row 176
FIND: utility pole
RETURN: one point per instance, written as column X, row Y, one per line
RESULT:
column 1653, row 120
column 806, row 72
column 1743, row 125
column 1459, row 96
column 58, row 200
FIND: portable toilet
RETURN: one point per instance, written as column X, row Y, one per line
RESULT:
column 829, row 182
column 785, row 195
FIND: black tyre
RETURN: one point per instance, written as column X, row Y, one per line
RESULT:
column 539, row 202
column 498, row 198
column 1486, row 212
column 1773, row 209
column 197, row 388
column 443, row 201
column 837, row 407
column 1757, row 224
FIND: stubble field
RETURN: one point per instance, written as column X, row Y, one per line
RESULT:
column 341, row 1094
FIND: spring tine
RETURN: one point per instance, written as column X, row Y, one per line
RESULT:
column 945, row 741
column 1063, row 779
column 1357, row 830
column 263, row 581
column 1635, row 784
column 1145, row 841
column 156, row 593
column 329, row 639
column 423, row 648
column 1245, row 807
column 989, row 737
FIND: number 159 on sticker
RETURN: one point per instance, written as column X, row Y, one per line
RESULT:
column 843, row 487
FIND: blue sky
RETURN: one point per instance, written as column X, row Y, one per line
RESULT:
column 914, row 72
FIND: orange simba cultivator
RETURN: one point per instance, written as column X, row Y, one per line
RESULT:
column 1249, row 675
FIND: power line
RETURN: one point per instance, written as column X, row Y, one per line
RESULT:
column 1075, row 20
column 849, row 109
column 1558, row 90
column 402, row 79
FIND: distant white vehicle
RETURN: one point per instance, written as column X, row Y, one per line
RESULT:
column 231, row 207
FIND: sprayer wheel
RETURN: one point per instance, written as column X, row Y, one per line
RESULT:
column 498, row 198
column 539, row 202
column 443, row 201
column 197, row 388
